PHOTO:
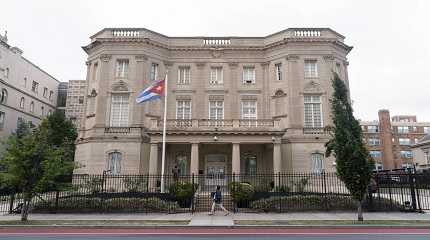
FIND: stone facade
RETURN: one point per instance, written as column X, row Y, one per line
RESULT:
column 260, row 86
column 389, row 140
column 27, row 92
column 421, row 152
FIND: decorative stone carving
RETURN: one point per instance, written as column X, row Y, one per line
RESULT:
column 312, row 87
column 328, row 58
column 200, row 64
column 217, row 52
column 216, row 97
column 256, row 91
column 183, row 97
column 141, row 58
column 233, row 64
column 279, row 93
column 248, row 97
column 105, row 57
column 291, row 57
column 93, row 93
column 120, row 86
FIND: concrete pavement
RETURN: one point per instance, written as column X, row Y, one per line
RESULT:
column 203, row 219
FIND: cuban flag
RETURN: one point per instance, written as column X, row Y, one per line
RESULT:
column 153, row 92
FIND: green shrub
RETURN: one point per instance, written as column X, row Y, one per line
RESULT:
column 241, row 191
column 301, row 184
column 183, row 190
column 283, row 189
column 110, row 205
column 315, row 203
column 135, row 184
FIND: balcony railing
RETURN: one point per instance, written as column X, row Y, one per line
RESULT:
column 218, row 124
column 119, row 130
column 319, row 130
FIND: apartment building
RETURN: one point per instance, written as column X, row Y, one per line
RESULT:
column 74, row 110
column 28, row 93
column 389, row 140
column 235, row 104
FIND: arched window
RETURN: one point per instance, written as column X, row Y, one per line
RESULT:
column 42, row 110
column 114, row 162
column 21, row 103
column 3, row 96
column 119, row 110
column 250, row 164
column 317, row 163
column 32, row 106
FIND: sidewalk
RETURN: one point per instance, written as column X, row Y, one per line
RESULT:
column 203, row 219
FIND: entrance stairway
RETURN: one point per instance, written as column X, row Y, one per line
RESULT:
column 203, row 202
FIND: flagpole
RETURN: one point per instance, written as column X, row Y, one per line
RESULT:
column 163, row 153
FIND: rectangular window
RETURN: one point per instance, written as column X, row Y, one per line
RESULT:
column 119, row 110
column 24, row 83
column 249, row 109
column 122, row 68
column 313, row 111
column 248, row 75
column 406, row 154
column 51, row 94
column 278, row 69
column 35, row 87
column 311, row 69
column 373, row 129
column 374, row 141
column 375, row 154
column 184, row 75
column 81, row 100
column 154, row 72
column 407, row 165
column 379, row 166
column 403, row 129
column 317, row 163
column 45, row 92
column 2, row 119
column 427, row 130
column 404, row 141
column 183, row 109
column 216, row 77
column 216, row 109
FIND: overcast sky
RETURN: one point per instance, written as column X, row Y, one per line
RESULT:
column 389, row 65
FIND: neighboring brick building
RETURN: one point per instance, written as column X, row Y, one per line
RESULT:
column 389, row 140
column 74, row 110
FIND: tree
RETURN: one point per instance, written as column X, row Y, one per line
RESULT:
column 353, row 162
column 31, row 164
column 62, row 133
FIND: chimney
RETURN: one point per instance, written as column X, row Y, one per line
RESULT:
column 386, row 137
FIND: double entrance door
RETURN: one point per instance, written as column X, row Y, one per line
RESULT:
column 216, row 169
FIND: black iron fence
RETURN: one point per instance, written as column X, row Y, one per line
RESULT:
column 283, row 192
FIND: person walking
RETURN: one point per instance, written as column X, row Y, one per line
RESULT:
column 217, row 201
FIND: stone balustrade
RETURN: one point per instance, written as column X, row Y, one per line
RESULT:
column 217, row 124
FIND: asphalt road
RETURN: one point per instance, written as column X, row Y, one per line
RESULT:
column 295, row 237
column 35, row 233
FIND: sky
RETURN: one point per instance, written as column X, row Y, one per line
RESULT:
column 389, row 65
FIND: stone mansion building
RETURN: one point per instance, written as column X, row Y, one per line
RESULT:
column 235, row 104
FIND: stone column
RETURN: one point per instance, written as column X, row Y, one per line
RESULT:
column 194, row 166
column 102, row 96
column 235, row 159
column 153, row 159
column 277, row 164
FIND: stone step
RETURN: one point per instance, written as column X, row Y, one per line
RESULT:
column 204, row 202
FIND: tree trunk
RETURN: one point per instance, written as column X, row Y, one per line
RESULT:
column 359, row 211
column 25, row 207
